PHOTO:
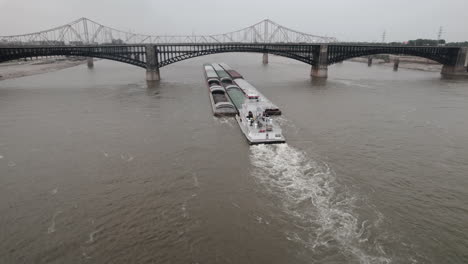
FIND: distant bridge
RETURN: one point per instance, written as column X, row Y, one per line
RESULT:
column 85, row 31
column 89, row 39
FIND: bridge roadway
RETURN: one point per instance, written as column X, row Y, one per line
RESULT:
column 319, row 56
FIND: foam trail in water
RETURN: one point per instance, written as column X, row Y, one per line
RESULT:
column 195, row 180
column 307, row 191
column 224, row 120
column 51, row 229
column 92, row 235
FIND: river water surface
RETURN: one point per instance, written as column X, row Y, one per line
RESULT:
column 97, row 168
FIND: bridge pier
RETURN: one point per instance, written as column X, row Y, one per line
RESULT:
column 396, row 63
column 454, row 71
column 460, row 67
column 152, row 67
column 265, row 58
column 320, row 69
column 152, row 75
column 369, row 61
column 90, row 62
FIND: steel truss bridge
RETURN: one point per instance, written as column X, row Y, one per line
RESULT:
column 89, row 39
column 85, row 31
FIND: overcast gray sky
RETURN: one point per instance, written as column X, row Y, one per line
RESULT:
column 348, row 20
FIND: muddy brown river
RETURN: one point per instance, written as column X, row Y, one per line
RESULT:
column 95, row 167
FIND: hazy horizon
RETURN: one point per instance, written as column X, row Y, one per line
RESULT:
column 363, row 20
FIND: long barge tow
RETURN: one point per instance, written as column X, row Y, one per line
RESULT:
column 253, row 109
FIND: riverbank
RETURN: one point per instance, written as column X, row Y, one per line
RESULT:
column 21, row 68
column 406, row 62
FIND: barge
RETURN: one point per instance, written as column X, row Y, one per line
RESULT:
column 220, row 102
column 248, row 89
column 236, row 95
column 232, row 73
column 224, row 77
column 252, row 93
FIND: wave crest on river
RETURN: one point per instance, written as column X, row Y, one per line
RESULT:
column 308, row 192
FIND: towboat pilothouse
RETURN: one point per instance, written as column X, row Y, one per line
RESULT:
column 257, row 126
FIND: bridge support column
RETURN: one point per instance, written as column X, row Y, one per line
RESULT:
column 369, row 61
column 152, row 67
column 320, row 69
column 460, row 67
column 90, row 61
column 396, row 63
column 265, row 58
column 152, row 75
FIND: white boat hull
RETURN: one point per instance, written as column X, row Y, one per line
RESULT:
column 259, row 138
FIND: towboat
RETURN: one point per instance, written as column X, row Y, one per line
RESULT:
column 257, row 126
column 220, row 102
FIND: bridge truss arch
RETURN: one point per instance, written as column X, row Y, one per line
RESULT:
column 319, row 56
column 342, row 52
column 134, row 55
column 165, row 54
column 169, row 54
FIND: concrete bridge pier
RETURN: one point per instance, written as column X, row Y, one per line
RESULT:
column 265, row 58
column 396, row 63
column 369, row 61
column 152, row 68
column 152, row 75
column 90, row 62
column 460, row 67
column 320, row 69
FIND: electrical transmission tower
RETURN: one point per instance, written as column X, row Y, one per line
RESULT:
column 439, row 35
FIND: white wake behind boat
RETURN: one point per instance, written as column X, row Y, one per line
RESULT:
column 258, row 127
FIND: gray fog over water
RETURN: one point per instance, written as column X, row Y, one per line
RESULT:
column 96, row 168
